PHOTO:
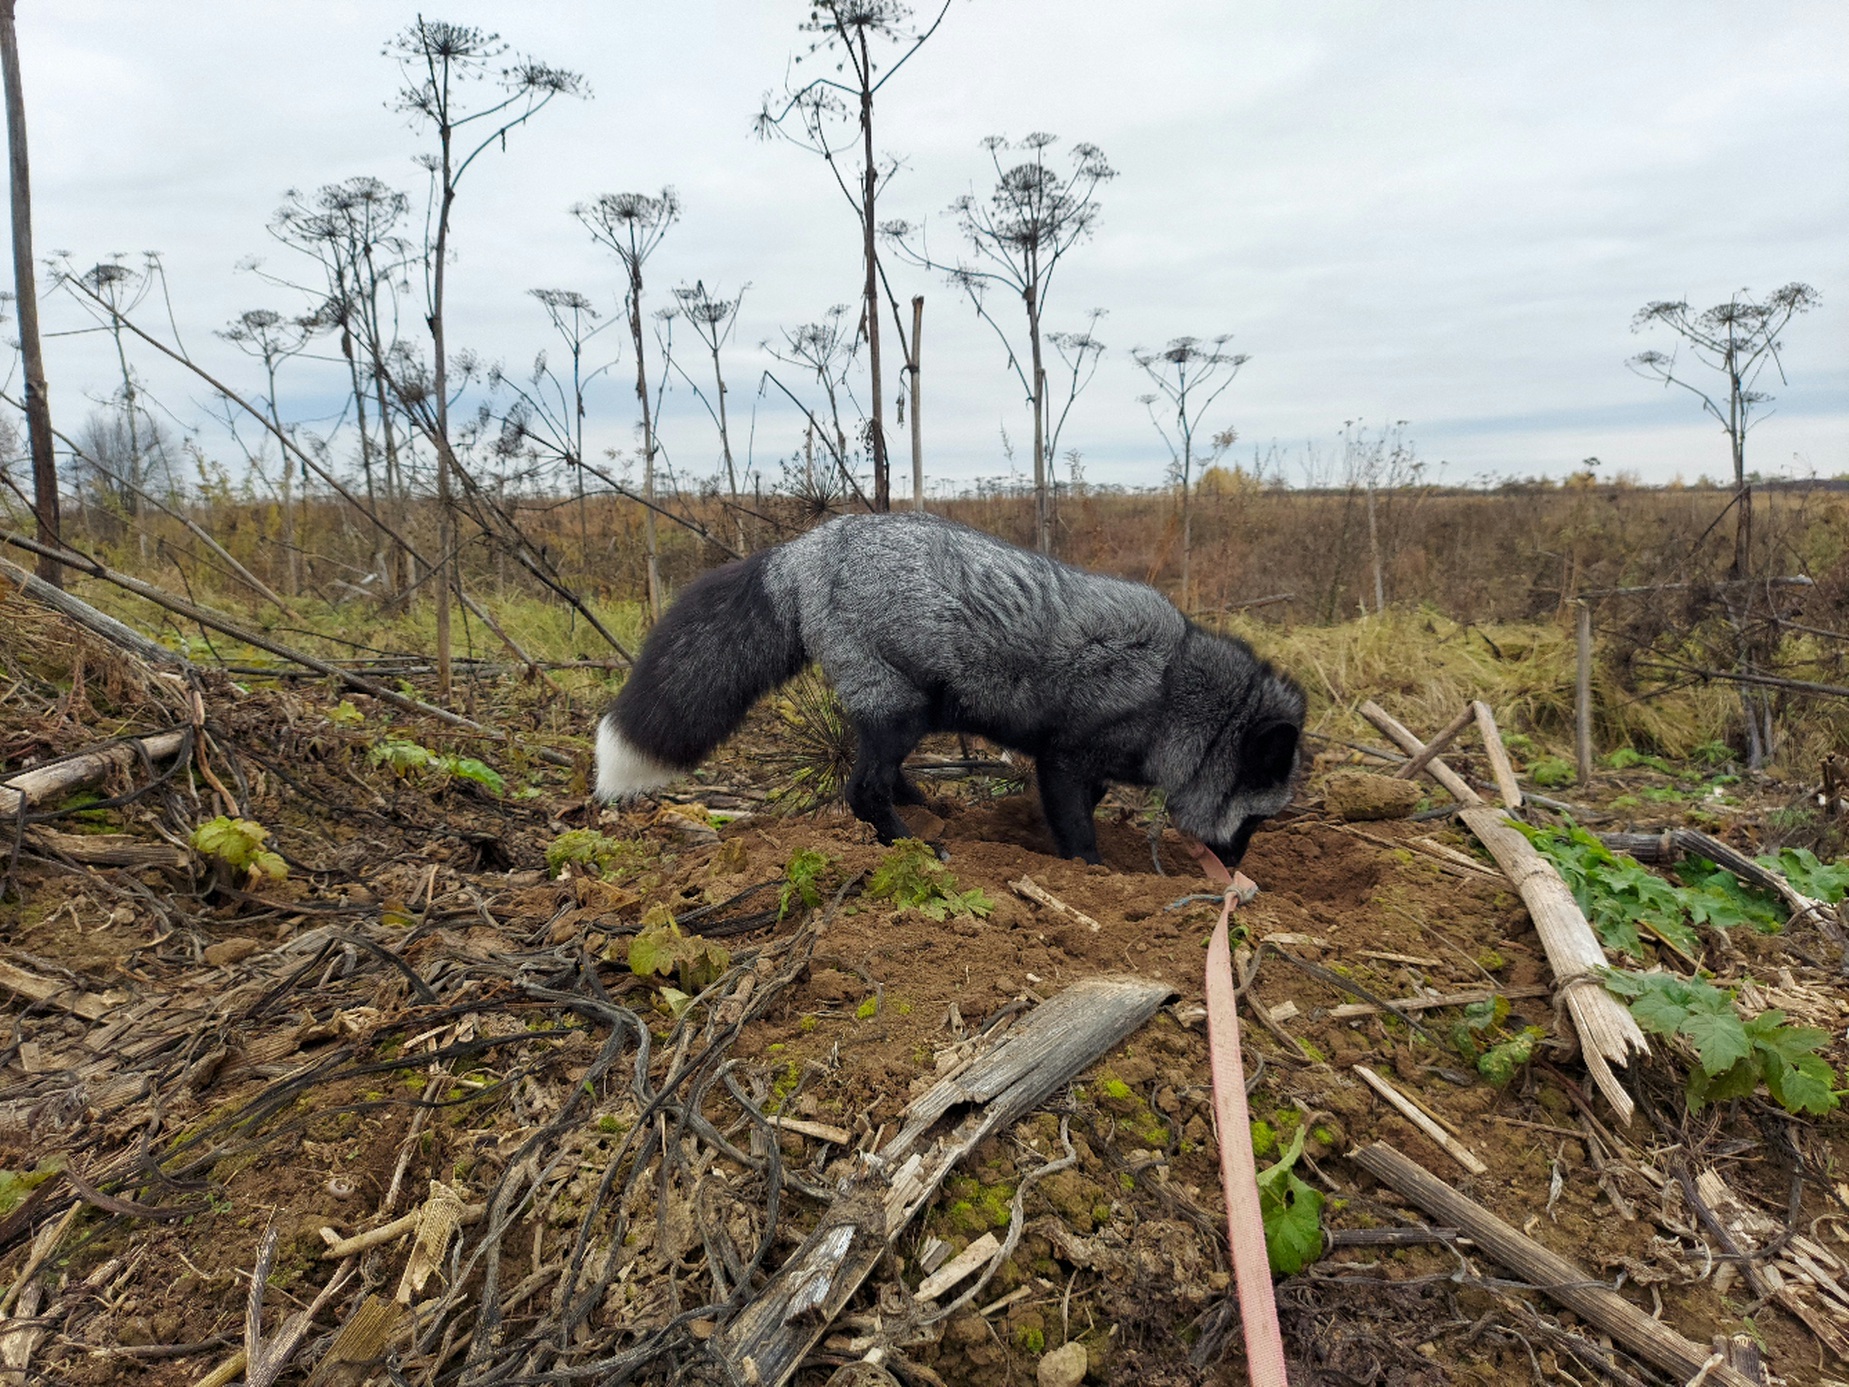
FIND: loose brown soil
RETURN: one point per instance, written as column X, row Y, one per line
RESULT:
column 419, row 1001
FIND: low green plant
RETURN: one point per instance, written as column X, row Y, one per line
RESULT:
column 1616, row 892
column 403, row 757
column 663, row 949
column 912, row 878
column 1733, row 1057
column 238, row 843
column 1824, row 881
column 15, row 1185
column 1625, row 757
column 1292, row 1211
column 1550, row 772
column 802, row 880
column 591, row 852
column 1483, row 1038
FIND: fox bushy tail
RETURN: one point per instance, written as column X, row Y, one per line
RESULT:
column 720, row 647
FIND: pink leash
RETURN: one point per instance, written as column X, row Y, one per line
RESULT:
column 1245, row 1226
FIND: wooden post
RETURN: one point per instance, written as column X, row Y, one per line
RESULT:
column 917, row 364
column 1583, row 696
column 25, row 284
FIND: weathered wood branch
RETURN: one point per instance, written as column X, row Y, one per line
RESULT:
column 58, row 778
column 1436, row 745
column 1555, row 1275
column 1608, row 1034
column 765, row 1343
column 97, row 623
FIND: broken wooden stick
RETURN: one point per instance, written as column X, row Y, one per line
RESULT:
column 1608, row 1033
column 1436, row 745
column 767, row 1340
column 1349, row 1010
column 1412, row 746
column 1581, row 1293
column 99, row 624
column 1498, row 757
column 1037, row 893
column 1416, row 1115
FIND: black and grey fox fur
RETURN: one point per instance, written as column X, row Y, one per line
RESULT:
column 925, row 626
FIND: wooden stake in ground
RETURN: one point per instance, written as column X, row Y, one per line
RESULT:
column 1571, row 1286
column 1582, row 690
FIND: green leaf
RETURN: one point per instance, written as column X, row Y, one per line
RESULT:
column 1500, row 1062
column 400, row 755
column 344, row 714
column 468, row 768
column 1659, row 1011
column 1292, row 1212
column 238, row 843
column 1736, row 1082
column 1802, row 1085
column 655, row 951
column 1822, row 881
column 1789, row 1043
column 1719, row 1040
column 802, row 878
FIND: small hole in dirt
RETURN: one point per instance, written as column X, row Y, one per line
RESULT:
column 1135, row 915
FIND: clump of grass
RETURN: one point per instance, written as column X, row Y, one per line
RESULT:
column 815, row 754
column 1423, row 666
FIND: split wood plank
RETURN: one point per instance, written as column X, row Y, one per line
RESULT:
column 958, row 1267
column 1017, row 1070
column 1566, row 1283
column 820, row 1131
column 107, row 849
column 91, row 1006
column 1416, row 1115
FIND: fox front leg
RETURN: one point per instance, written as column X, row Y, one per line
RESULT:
column 1067, row 798
column 875, row 785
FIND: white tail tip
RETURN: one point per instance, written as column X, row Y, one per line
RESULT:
column 623, row 768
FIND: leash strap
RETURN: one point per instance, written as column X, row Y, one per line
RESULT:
column 1245, row 1225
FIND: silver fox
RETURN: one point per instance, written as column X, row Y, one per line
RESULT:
column 923, row 625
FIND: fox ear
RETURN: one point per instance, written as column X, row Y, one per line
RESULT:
column 1270, row 753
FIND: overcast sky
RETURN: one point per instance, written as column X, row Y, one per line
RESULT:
column 1444, row 213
